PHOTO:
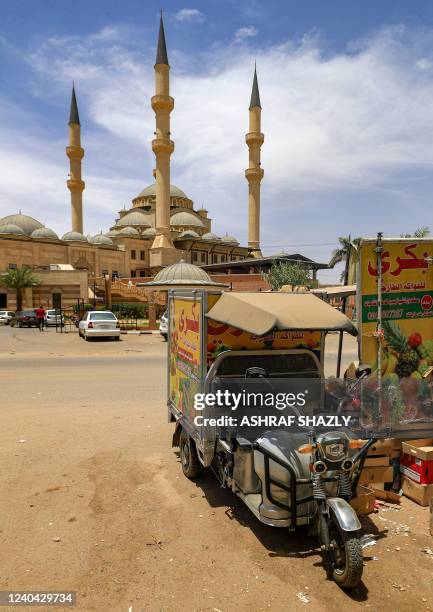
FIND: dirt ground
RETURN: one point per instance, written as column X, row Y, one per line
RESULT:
column 92, row 499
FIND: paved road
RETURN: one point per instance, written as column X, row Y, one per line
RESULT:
column 92, row 498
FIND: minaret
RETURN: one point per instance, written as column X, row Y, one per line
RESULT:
column 162, row 145
column 75, row 153
column 254, row 173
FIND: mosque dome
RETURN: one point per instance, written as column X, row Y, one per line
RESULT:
column 150, row 232
column 182, row 273
column 129, row 231
column 210, row 236
column 112, row 233
column 26, row 223
column 74, row 237
column 189, row 234
column 44, row 232
column 11, row 228
column 186, row 218
column 101, row 240
column 150, row 191
column 229, row 239
column 133, row 218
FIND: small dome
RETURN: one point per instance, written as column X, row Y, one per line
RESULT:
column 134, row 218
column 189, row 234
column 26, row 223
column 186, row 218
column 112, row 233
column 129, row 231
column 210, row 236
column 229, row 239
column 74, row 237
column 101, row 240
column 150, row 191
column 11, row 228
column 183, row 273
column 44, row 232
column 150, row 232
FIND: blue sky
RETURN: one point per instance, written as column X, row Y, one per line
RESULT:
column 347, row 96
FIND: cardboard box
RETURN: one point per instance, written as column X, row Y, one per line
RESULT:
column 372, row 475
column 422, row 494
column 377, row 461
column 417, row 460
column 363, row 503
column 385, row 447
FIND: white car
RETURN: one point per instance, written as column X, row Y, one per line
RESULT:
column 54, row 317
column 6, row 316
column 163, row 325
column 99, row 324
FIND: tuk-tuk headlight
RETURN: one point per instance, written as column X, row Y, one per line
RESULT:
column 333, row 446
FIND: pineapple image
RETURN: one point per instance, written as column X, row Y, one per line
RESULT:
column 408, row 358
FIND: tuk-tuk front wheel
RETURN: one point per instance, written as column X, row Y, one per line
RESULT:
column 188, row 456
column 348, row 560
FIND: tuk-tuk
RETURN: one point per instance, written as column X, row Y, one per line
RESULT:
column 293, row 464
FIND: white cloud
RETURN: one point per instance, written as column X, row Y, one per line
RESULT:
column 347, row 136
column 245, row 32
column 189, row 14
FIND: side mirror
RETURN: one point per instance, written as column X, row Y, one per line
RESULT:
column 363, row 371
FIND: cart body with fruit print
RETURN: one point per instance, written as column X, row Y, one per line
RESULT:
column 394, row 302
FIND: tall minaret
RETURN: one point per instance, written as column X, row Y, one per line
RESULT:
column 162, row 145
column 254, row 173
column 75, row 153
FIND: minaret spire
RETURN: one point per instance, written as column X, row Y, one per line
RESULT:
column 74, row 117
column 161, row 50
column 162, row 251
column 255, row 95
column 75, row 153
column 254, row 173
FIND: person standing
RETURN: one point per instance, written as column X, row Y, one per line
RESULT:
column 40, row 315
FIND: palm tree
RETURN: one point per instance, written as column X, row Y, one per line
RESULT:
column 19, row 279
column 341, row 253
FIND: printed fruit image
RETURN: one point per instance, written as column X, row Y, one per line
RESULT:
column 414, row 340
column 426, row 351
column 423, row 366
column 408, row 358
column 391, row 379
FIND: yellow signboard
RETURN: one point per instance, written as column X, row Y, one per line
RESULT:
column 185, row 366
column 407, row 303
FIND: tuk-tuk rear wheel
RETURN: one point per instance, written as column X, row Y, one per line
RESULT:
column 188, row 456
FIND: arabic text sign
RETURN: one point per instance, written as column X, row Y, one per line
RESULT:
column 407, row 290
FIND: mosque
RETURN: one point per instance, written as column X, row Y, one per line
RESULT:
column 162, row 226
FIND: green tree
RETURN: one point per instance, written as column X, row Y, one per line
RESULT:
column 420, row 232
column 340, row 255
column 19, row 279
column 288, row 274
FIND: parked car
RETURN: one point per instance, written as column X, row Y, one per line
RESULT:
column 99, row 324
column 24, row 318
column 6, row 316
column 54, row 317
column 163, row 325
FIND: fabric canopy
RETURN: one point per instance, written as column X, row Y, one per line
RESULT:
column 342, row 291
column 259, row 313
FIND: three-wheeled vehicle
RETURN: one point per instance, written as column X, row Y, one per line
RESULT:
column 287, row 464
